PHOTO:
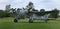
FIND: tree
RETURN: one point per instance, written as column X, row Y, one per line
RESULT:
column 12, row 12
column 30, row 6
column 54, row 13
column 4, row 14
column 7, row 8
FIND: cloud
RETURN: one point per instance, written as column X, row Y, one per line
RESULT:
column 39, row 4
column 3, row 3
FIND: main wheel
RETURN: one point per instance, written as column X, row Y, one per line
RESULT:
column 15, row 20
column 46, row 21
column 30, row 21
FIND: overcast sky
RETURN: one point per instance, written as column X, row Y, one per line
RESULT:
column 38, row 4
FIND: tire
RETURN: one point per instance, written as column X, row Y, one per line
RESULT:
column 15, row 20
column 30, row 21
column 45, row 21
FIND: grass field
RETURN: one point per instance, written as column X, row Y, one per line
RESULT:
column 7, row 23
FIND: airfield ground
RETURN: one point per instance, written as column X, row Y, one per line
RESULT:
column 7, row 23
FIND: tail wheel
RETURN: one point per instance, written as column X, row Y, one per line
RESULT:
column 15, row 20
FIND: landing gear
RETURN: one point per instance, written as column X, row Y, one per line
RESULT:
column 46, row 21
column 30, row 20
column 15, row 20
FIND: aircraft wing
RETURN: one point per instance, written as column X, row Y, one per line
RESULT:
column 40, row 13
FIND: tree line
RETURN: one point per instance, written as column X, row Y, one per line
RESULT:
column 7, row 11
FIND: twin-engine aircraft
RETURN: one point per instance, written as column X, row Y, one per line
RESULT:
column 33, row 15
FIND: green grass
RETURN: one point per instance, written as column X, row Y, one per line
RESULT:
column 7, row 23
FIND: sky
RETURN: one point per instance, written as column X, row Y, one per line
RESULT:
column 38, row 4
